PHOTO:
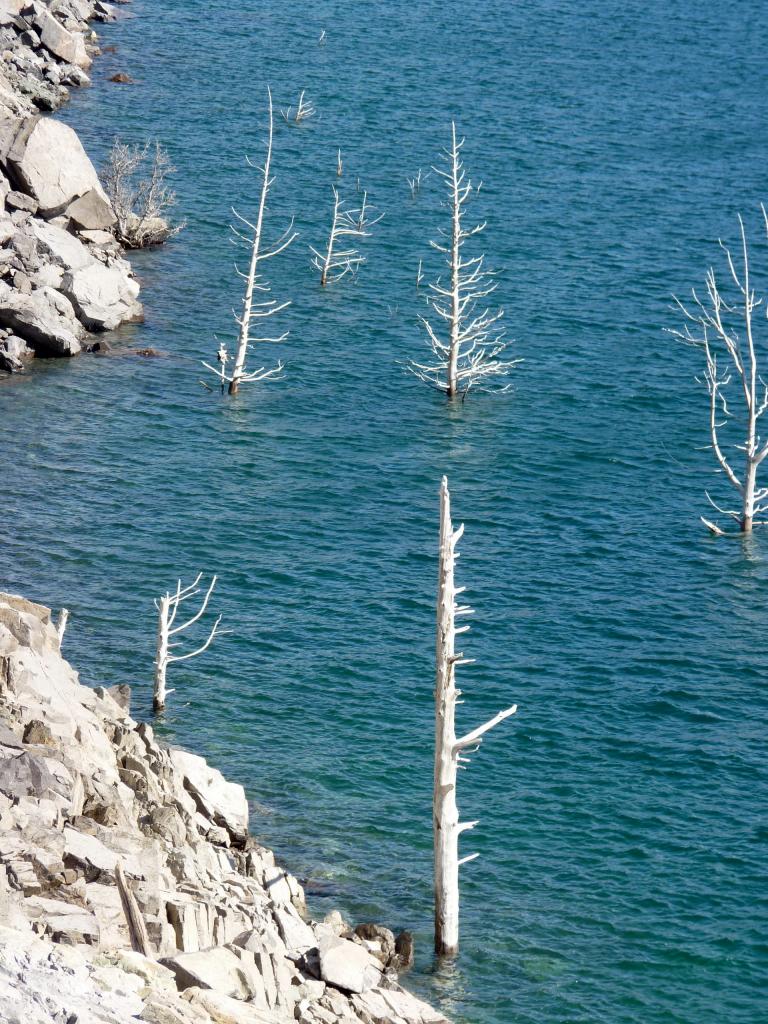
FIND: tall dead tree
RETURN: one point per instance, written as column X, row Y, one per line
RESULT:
column 469, row 352
column 725, row 330
column 347, row 223
column 254, row 311
column 167, row 608
column 450, row 751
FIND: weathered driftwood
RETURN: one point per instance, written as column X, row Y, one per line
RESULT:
column 253, row 311
column 137, row 928
column 450, row 750
column 470, row 353
column 167, row 609
column 714, row 324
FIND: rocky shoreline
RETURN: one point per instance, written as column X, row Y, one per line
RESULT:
column 63, row 278
column 130, row 887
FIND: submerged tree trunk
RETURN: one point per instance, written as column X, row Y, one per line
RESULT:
column 449, row 750
column 446, row 813
column 161, row 656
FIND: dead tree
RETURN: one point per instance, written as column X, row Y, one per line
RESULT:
column 450, row 751
column 471, row 350
column 346, row 223
column 254, row 283
column 725, row 331
column 167, row 607
column 303, row 112
column 135, row 182
column 61, row 625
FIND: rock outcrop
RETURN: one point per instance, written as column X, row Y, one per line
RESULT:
column 89, row 797
column 61, row 273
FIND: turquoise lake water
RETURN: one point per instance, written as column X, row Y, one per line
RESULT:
column 623, row 829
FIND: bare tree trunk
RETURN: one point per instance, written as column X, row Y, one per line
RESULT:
column 448, row 749
column 445, row 810
column 713, row 317
column 748, row 513
column 62, row 625
column 455, row 324
column 245, row 320
column 167, row 608
column 161, row 657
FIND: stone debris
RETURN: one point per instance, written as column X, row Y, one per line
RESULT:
column 83, row 788
column 61, row 274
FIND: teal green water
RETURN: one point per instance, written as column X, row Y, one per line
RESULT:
column 623, row 830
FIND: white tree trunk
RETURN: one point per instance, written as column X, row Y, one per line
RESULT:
column 161, row 657
column 245, row 319
column 62, row 625
column 449, row 748
column 455, row 322
column 445, row 810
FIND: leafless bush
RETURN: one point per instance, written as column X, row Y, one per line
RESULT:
column 135, row 181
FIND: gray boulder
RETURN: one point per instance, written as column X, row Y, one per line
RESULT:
column 346, row 965
column 63, row 249
column 21, row 201
column 46, row 159
column 219, row 969
column 45, row 319
column 220, row 801
column 67, row 46
column 27, row 775
column 91, row 212
column 102, row 296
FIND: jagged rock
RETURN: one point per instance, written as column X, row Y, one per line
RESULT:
column 27, row 775
column 295, row 933
column 47, row 160
column 20, row 201
column 394, row 1003
column 38, row 733
column 60, row 246
column 103, row 239
column 222, row 1009
column 346, row 965
column 92, row 212
column 377, row 940
column 121, row 693
column 403, row 959
column 221, row 801
column 45, row 319
column 64, row 922
column 218, row 969
column 68, row 46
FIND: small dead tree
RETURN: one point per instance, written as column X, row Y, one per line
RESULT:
column 725, row 331
column 415, row 183
column 450, row 752
column 346, row 223
column 470, row 353
column 167, row 607
column 302, row 112
column 135, row 182
column 254, row 283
